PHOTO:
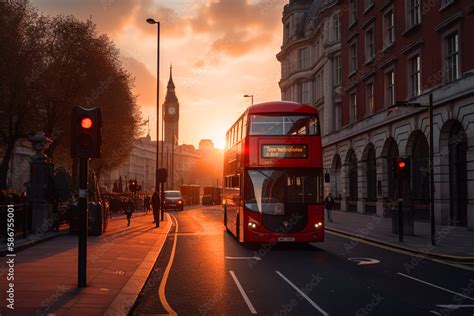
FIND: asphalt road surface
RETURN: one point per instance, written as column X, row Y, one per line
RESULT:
column 203, row 270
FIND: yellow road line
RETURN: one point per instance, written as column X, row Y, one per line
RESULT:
column 161, row 290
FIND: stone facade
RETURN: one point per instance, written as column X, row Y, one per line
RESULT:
column 393, row 51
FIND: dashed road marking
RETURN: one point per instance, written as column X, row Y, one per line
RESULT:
column 436, row 286
column 302, row 294
column 242, row 291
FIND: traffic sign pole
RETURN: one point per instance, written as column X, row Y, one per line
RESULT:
column 83, row 224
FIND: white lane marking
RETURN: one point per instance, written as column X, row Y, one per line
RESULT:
column 436, row 286
column 162, row 288
column 242, row 291
column 302, row 294
column 364, row 261
column 244, row 258
column 454, row 306
column 435, row 312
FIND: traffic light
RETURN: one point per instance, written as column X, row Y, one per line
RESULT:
column 86, row 138
column 133, row 186
column 403, row 166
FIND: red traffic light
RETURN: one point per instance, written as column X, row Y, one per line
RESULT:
column 401, row 164
column 86, row 123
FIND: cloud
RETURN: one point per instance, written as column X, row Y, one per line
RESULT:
column 173, row 22
column 239, row 27
column 109, row 15
column 144, row 81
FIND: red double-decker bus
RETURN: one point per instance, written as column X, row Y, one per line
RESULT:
column 273, row 180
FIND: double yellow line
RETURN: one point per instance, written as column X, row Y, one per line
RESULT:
column 162, row 288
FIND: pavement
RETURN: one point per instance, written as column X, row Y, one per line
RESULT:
column 119, row 263
column 452, row 243
column 203, row 270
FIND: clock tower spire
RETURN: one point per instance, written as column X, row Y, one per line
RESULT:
column 171, row 111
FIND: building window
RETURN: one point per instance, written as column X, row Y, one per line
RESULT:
column 389, row 88
column 304, row 58
column 337, row 116
column 369, row 98
column 452, row 57
column 306, row 92
column 316, row 50
column 319, row 86
column 352, row 11
column 368, row 4
column 337, row 75
column 353, row 57
column 389, row 28
column 414, row 13
column 353, row 107
column 336, row 24
column 369, row 44
column 414, row 75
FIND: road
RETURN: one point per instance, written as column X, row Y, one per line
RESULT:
column 204, row 270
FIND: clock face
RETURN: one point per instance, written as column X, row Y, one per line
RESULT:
column 172, row 110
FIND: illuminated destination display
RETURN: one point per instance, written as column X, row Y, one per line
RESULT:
column 284, row 151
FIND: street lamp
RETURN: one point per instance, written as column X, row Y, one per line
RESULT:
column 430, row 108
column 152, row 21
column 249, row 96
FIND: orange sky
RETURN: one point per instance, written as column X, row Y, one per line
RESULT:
column 220, row 50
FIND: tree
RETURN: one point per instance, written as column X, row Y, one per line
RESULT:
column 91, row 75
column 21, row 55
column 53, row 64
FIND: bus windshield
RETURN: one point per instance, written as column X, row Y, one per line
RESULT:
column 268, row 190
column 280, row 125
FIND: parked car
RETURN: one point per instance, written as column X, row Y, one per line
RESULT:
column 173, row 200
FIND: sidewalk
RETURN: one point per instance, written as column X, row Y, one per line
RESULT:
column 452, row 242
column 118, row 264
column 33, row 239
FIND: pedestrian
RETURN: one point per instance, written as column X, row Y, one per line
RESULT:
column 329, row 204
column 155, row 204
column 130, row 208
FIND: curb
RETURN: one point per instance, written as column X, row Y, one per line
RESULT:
column 432, row 255
column 126, row 298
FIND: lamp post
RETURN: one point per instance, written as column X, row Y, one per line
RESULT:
column 152, row 21
column 249, row 96
column 432, row 189
column 157, row 180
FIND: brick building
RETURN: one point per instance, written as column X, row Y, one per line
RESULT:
column 394, row 51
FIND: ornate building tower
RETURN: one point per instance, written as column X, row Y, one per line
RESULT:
column 171, row 112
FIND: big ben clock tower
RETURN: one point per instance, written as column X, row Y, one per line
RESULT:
column 171, row 112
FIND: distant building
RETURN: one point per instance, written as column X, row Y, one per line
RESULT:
column 206, row 145
column 140, row 166
column 391, row 51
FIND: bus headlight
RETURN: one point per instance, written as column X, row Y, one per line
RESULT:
column 252, row 225
column 318, row 225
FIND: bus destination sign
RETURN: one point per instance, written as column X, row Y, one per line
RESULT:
column 284, row 151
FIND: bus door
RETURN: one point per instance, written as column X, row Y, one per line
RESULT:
column 232, row 200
